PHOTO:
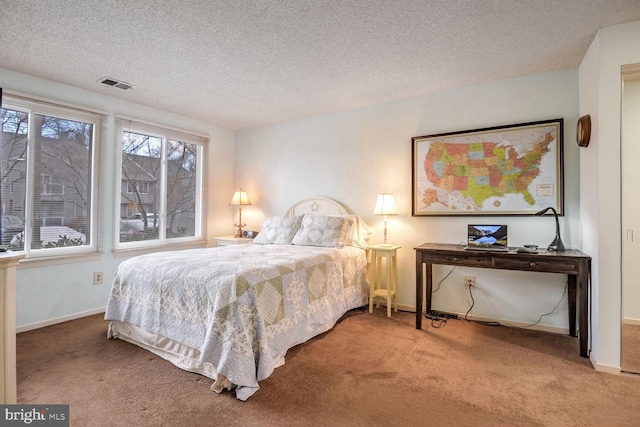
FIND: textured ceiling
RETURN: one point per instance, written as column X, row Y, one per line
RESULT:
column 241, row 63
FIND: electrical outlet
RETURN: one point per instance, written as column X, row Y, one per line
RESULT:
column 97, row 278
column 469, row 282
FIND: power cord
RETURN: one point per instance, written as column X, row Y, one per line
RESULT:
column 437, row 320
column 424, row 299
column 491, row 323
column 564, row 293
column 442, row 280
column 479, row 322
column 440, row 318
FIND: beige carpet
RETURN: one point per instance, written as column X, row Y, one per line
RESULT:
column 369, row 370
column 630, row 352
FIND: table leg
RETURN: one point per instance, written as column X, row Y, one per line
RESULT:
column 389, row 283
column 419, row 290
column 584, row 271
column 374, row 278
column 429, row 280
column 378, row 277
column 571, row 299
column 394, row 265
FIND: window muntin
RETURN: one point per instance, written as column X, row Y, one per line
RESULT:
column 160, row 186
column 47, row 170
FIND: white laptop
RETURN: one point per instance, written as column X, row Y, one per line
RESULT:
column 487, row 238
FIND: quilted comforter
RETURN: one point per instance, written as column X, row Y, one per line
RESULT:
column 240, row 307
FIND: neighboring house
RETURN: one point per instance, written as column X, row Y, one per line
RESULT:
column 61, row 181
column 140, row 192
column 139, row 187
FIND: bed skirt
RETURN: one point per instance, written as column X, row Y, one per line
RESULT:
column 182, row 356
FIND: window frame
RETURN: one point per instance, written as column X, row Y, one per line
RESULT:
column 164, row 133
column 66, row 112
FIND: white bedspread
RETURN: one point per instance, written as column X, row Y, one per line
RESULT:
column 240, row 307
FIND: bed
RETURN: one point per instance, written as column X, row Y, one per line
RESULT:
column 231, row 313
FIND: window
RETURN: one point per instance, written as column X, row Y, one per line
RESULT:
column 47, row 171
column 137, row 187
column 160, row 186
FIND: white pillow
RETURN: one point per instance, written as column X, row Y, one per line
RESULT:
column 324, row 230
column 278, row 230
column 359, row 233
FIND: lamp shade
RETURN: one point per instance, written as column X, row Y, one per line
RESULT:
column 386, row 205
column 240, row 197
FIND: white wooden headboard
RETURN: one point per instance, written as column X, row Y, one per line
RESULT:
column 317, row 205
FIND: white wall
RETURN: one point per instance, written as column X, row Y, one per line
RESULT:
column 630, row 152
column 48, row 294
column 600, row 189
column 353, row 155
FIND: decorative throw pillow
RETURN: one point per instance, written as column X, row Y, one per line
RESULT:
column 278, row 230
column 323, row 230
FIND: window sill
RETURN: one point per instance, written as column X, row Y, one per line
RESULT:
column 58, row 260
column 129, row 252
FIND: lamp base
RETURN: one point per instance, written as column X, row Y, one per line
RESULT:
column 239, row 225
column 556, row 245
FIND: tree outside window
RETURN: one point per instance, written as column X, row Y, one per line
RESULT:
column 47, row 173
column 160, row 187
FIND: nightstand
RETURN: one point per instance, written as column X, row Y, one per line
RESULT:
column 231, row 240
column 389, row 253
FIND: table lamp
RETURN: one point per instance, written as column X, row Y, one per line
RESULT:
column 385, row 205
column 557, row 244
column 240, row 198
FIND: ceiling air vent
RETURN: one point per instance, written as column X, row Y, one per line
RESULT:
column 115, row 83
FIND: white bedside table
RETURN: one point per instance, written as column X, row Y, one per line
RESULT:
column 390, row 293
column 231, row 240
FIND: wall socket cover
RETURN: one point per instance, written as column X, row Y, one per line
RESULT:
column 97, row 278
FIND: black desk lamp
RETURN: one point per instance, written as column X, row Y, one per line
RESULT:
column 557, row 244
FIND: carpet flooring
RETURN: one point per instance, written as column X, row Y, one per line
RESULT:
column 630, row 352
column 369, row 370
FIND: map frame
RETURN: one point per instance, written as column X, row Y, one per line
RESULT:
column 427, row 198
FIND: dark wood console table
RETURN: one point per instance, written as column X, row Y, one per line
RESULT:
column 571, row 262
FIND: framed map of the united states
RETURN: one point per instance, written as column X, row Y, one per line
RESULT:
column 506, row 170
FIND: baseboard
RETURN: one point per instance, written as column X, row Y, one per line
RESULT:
column 514, row 323
column 57, row 320
column 517, row 324
column 402, row 307
column 628, row 321
column 600, row 367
